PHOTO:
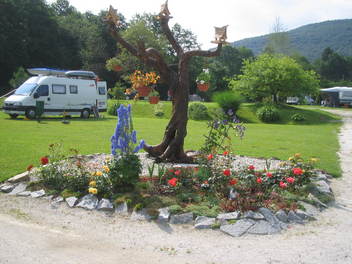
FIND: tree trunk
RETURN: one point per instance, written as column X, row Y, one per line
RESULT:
column 172, row 146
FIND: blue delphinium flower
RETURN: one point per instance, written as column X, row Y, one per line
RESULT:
column 125, row 137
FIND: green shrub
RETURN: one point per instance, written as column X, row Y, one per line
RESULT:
column 268, row 113
column 112, row 109
column 198, row 111
column 124, row 173
column 228, row 100
column 297, row 117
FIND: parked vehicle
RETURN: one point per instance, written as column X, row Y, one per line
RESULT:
column 292, row 100
column 337, row 96
column 62, row 92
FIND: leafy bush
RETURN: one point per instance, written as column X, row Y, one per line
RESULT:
column 112, row 109
column 268, row 113
column 228, row 100
column 198, row 111
column 297, row 117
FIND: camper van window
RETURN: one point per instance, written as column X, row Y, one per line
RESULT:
column 101, row 90
column 73, row 89
column 43, row 90
column 26, row 89
column 347, row 94
column 59, row 89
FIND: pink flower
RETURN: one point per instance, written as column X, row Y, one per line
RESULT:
column 227, row 172
column 282, row 185
column 297, row 171
column 290, row 180
column 251, row 167
column 172, row 182
column 233, row 181
column 269, row 175
column 259, row 180
column 178, row 172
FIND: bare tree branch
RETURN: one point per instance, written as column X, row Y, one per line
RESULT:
column 170, row 37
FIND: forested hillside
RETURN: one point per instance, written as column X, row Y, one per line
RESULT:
column 311, row 40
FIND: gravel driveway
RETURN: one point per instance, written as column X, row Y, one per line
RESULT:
column 33, row 232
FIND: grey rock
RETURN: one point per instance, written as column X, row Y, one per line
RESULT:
column 269, row 216
column 203, row 222
column 294, row 218
column 25, row 193
column 263, row 227
column 237, row 229
column 122, row 209
column 181, row 218
column 58, row 199
column 21, row 187
column 309, row 209
column 71, row 201
column 316, row 201
column 253, row 215
column 323, row 187
column 140, row 215
column 304, row 215
column 282, row 216
column 105, row 205
column 7, row 187
column 164, row 214
column 38, row 194
column 19, row 178
column 229, row 216
column 88, row 202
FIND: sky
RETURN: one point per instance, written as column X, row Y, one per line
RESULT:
column 246, row 18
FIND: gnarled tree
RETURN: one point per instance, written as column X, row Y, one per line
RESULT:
column 172, row 146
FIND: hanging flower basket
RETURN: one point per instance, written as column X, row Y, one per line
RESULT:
column 203, row 87
column 117, row 68
column 154, row 99
column 143, row 90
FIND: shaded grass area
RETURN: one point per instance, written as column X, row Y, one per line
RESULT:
column 23, row 142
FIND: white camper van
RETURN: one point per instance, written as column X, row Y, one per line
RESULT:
column 63, row 93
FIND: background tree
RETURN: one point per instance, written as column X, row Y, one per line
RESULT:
column 271, row 76
column 177, row 78
column 278, row 40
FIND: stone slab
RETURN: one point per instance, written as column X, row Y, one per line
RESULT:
column 237, row 229
column 24, row 176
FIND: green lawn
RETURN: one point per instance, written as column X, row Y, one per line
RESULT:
column 23, row 142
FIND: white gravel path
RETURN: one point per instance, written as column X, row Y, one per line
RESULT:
column 32, row 232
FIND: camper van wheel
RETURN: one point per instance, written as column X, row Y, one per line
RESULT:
column 85, row 113
column 13, row 116
column 30, row 113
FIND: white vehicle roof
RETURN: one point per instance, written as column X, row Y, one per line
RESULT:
column 337, row 89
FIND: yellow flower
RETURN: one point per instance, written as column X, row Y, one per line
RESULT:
column 291, row 158
column 297, row 155
column 93, row 190
column 93, row 184
column 92, row 173
column 99, row 173
column 314, row 160
column 106, row 168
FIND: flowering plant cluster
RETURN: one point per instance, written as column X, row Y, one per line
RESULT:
column 204, row 77
column 139, row 78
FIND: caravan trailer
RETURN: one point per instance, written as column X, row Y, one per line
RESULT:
column 62, row 92
column 337, row 96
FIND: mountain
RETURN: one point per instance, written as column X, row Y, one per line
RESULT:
column 310, row 40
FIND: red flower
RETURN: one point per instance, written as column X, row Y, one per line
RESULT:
column 227, row 172
column 233, row 181
column 269, row 175
column 210, row 156
column 290, row 180
column 171, row 170
column 282, row 185
column 44, row 160
column 226, row 153
column 178, row 172
column 251, row 167
column 259, row 180
column 172, row 182
column 30, row 167
column 297, row 171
